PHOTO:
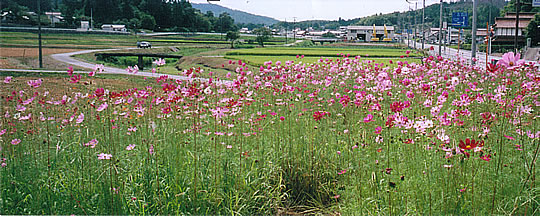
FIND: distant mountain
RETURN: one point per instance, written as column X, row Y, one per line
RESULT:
column 238, row 16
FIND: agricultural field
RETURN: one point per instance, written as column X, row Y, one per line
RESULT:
column 364, row 51
column 377, row 54
column 257, row 60
column 341, row 137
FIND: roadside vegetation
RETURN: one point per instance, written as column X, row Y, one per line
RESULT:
column 342, row 136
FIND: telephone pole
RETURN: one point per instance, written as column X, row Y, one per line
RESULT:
column 473, row 45
column 440, row 27
column 39, row 33
column 294, row 29
column 423, row 20
column 415, row 27
column 517, row 26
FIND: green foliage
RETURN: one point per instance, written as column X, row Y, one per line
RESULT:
column 148, row 22
column 232, row 36
column 224, row 23
column 533, row 31
column 329, row 35
column 263, row 34
column 526, row 6
column 159, row 15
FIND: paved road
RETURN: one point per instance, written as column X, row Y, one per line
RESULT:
column 452, row 53
column 68, row 59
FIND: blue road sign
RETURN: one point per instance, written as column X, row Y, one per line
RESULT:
column 460, row 19
column 536, row 3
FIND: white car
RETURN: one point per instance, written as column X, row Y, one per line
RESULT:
column 144, row 44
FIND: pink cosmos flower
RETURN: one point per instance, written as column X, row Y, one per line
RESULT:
column 151, row 150
column 8, row 79
column 99, row 68
column 104, row 156
column 75, row 78
column 509, row 137
column 15, row 141
column 510, row 60
column 80, row 119
column 102, row 107
column 92, row 143
column 159, row 62
column 2, row 132
column 282, row 118
column 130, row 147
column 20, row 108
column 70, row 70
column 368, row 118
column 378, row 130
column 34, row 83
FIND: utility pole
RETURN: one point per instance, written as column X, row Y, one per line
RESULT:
column 294, row 29
column 440, row 27
column 409, row 28
column 286, row 27
column 92, row 19
column 39, row 33
column 415, row 27
column 423, row 20
column 473, row 45
column 517, row 26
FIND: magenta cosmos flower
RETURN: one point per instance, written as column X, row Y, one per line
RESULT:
column 510, row 60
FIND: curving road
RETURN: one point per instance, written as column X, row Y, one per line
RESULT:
column 68, row 59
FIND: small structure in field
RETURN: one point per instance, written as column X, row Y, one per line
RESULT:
column 113, row 27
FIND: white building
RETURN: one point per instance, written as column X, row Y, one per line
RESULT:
column 54, row 17
column 111, row 27
column 365, row 33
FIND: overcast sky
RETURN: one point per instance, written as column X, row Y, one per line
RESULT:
column 317, row 9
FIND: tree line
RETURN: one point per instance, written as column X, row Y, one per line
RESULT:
column 156, row 15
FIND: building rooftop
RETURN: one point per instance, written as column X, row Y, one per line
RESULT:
column 378, row 28
column 503, row 22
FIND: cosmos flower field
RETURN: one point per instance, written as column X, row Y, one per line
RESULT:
column 340, row 136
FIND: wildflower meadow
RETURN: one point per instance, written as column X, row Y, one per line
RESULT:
column 339, row 136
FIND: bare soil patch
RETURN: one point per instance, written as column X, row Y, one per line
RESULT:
column 59, row 86
column 30, row 52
